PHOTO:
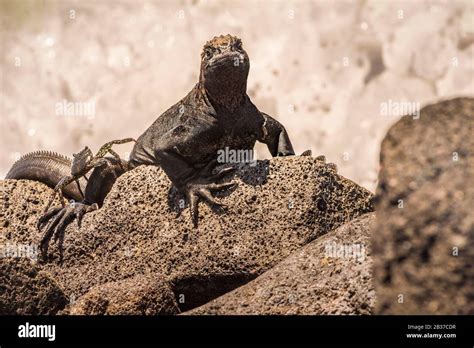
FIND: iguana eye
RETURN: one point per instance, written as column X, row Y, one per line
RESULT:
column 208, row 53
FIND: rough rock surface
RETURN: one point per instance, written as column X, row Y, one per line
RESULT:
column 279, row 206
column 423, row 241
column 138, row 295
column 26, row 289
column 312, row 280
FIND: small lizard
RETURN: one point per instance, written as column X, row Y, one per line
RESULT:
column 184, row 141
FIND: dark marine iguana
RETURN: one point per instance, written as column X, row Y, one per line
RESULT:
column 184, row 141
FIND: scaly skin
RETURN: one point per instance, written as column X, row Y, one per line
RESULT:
column 184, row 141
column 49, row 168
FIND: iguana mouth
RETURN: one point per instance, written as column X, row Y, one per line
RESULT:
column 231, row 67
column 234, row 58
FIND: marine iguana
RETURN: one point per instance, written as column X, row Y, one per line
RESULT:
column 183, row 141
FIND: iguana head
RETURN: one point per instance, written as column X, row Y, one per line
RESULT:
column 224, row 70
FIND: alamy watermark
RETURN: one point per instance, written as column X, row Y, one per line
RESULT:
column 228, row 155
column 19, row 250
column 345, row 251
column 69, row 108
column 28, row 330
column 400, row 108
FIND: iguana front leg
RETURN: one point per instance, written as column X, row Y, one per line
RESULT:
column 56, row 219
column 275, row 136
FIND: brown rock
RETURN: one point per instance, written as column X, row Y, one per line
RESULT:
column 313, row 280
column 279, row 206
column 140, row 295
column 26, row 289
column 424, row 238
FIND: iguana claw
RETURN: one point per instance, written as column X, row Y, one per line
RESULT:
column 56, row 220
column 200, row 187
column 195, row 191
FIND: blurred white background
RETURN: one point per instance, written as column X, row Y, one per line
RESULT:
column 322, row 68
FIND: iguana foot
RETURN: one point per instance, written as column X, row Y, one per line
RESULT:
column 195, row 191
column 201, row 186
column 57, row 219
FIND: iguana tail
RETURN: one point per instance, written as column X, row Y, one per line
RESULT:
column 47, row 167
